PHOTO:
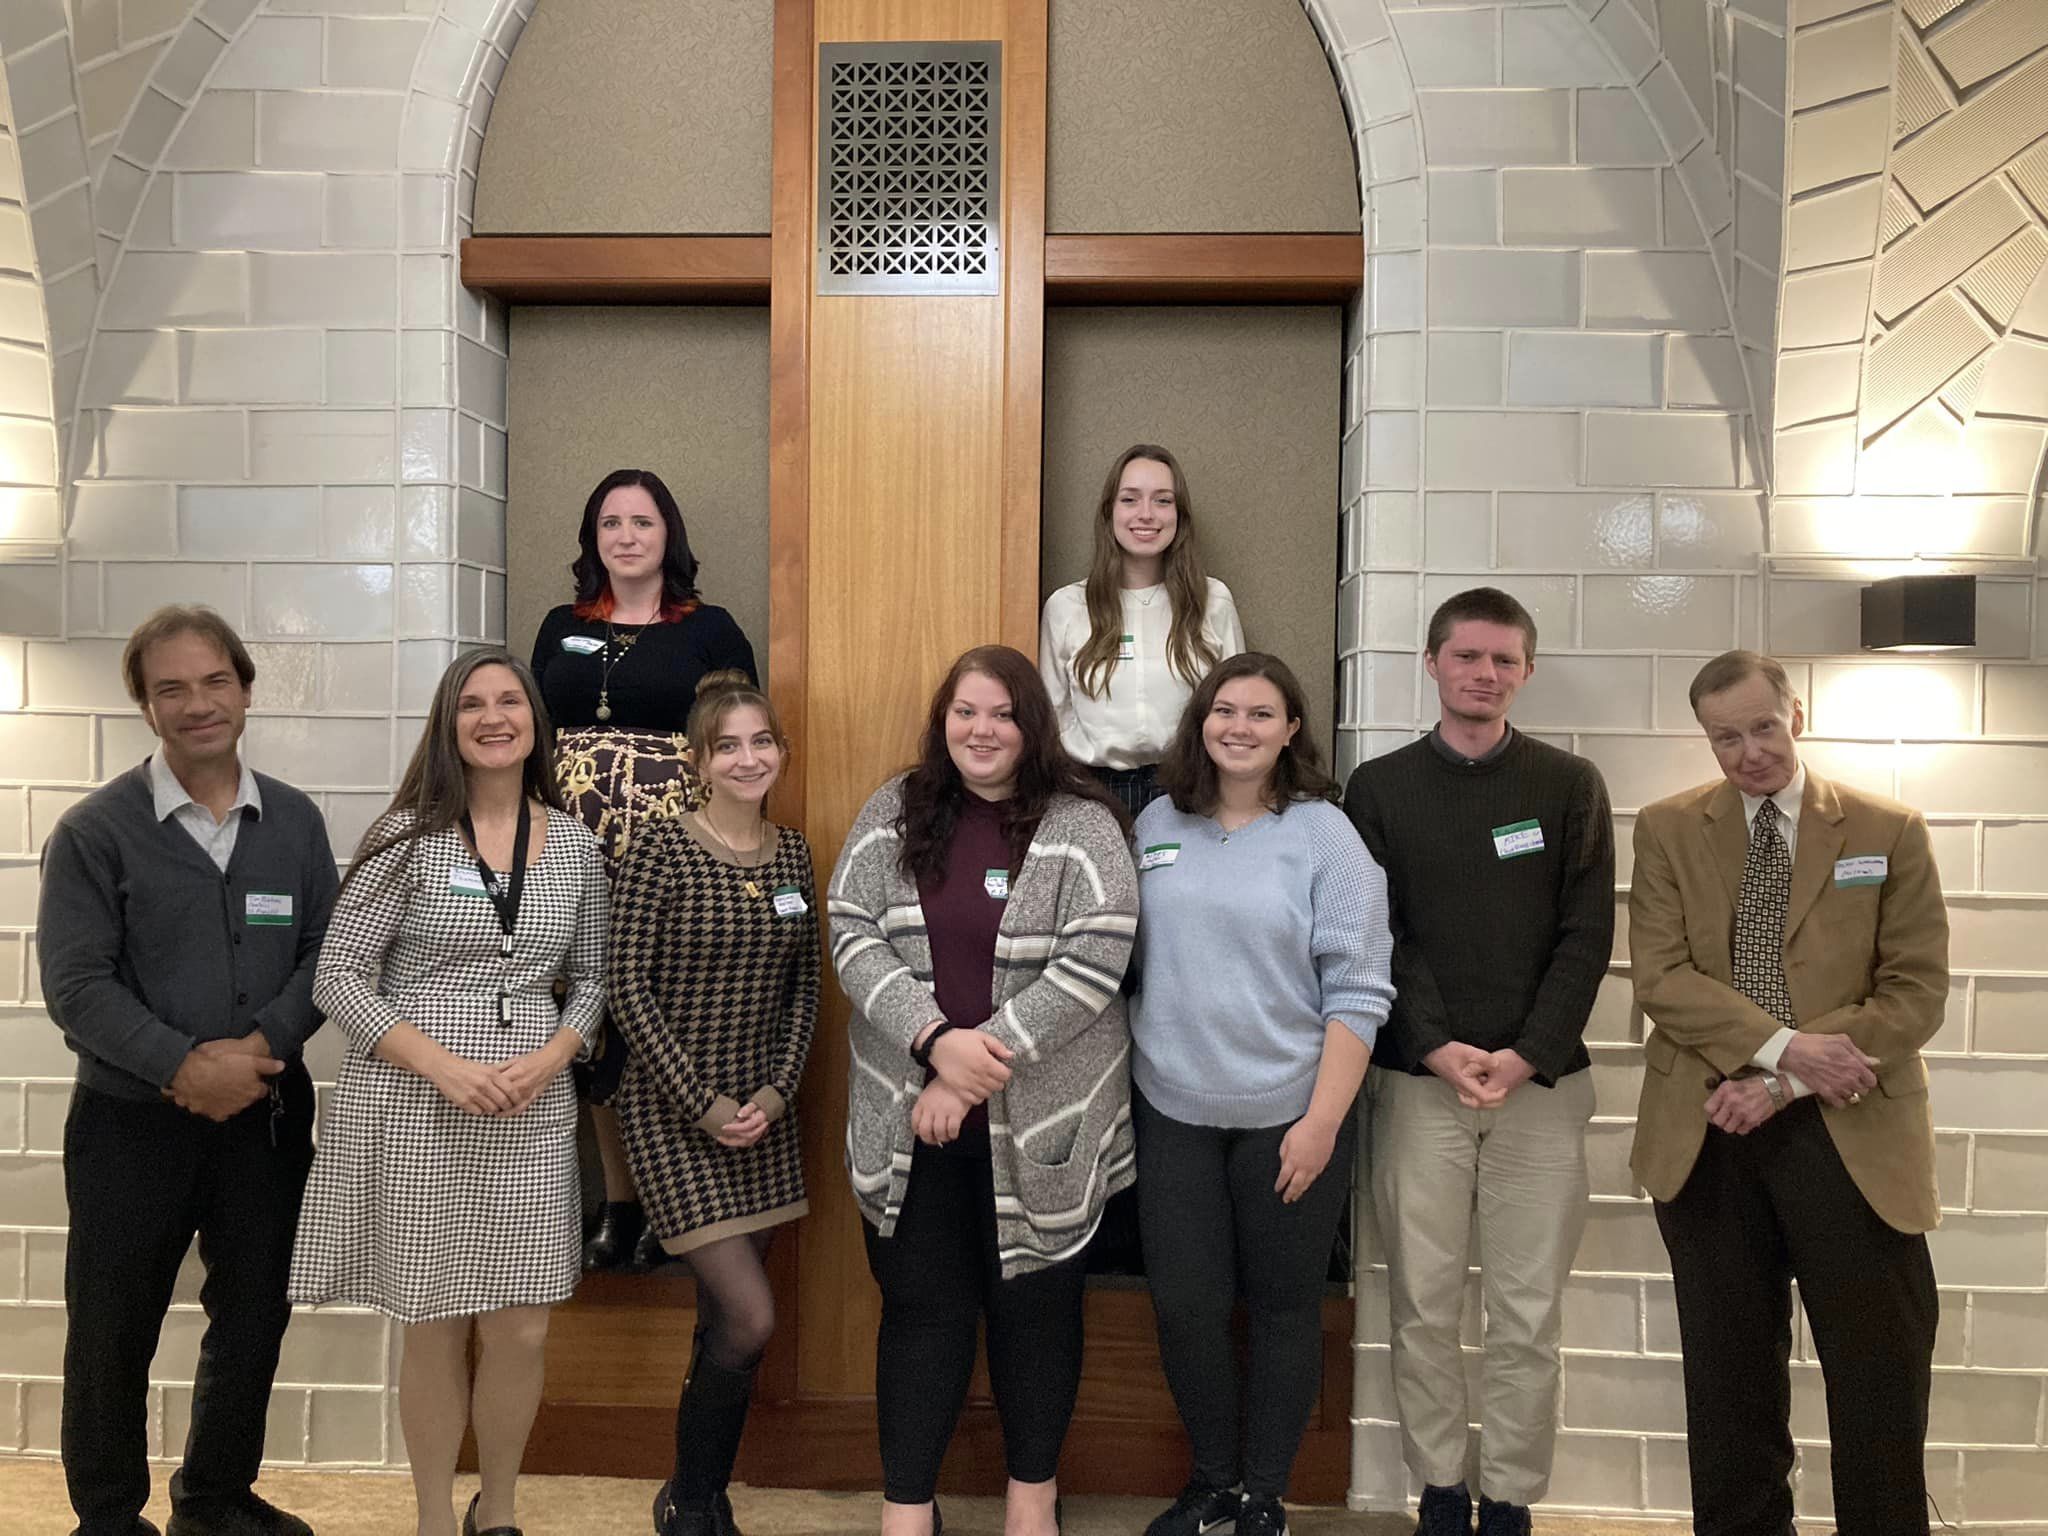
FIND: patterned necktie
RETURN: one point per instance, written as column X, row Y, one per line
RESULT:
column 1760, row 918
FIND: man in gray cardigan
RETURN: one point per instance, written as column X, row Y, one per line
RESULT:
column 183, row 906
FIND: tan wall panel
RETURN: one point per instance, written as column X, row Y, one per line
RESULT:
column 1248, row 400
column 632, row 117
column 1175, row 118
column 905, row 573
column 683, row 392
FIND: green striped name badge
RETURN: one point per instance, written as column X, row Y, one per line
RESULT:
column 1518, row 838
column 1158, row 856
column 267, row 909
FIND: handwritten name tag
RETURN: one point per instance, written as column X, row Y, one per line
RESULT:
column 1517, row 838
column 268, row 909
column 997, row 883
column 1869, row 869
column 582, row 645
column 1158, row 856
column 464, row 880
column 1127, row 648
column 789, row 901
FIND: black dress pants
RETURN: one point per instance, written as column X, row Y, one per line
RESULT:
column 141, row 1179
column 940, row 1275
column 1216, row 1230
column 1758, row 1212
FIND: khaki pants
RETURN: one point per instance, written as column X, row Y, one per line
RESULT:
column 1523, row 1168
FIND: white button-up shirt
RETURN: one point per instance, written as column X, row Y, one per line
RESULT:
column 217, row 838
column 1130, row 725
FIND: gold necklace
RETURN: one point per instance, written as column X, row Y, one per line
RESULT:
column 613, row 642
column 752, row 887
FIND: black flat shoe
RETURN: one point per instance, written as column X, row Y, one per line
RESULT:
column 469, row 1523
column 618, row 1229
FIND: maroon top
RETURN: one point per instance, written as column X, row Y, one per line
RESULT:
column 961, row 917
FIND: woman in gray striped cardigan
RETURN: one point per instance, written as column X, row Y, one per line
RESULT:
column 982, row 914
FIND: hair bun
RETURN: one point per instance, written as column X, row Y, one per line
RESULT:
column 723, row 680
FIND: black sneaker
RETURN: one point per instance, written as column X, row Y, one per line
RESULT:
column 1199, row 1510
column 1502, row 1519
column 1261, row 1516
column 1445, row 1511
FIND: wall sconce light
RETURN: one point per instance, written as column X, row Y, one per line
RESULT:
column 1920, row 613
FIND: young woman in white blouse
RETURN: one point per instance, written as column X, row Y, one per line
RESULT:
column 1122, row 651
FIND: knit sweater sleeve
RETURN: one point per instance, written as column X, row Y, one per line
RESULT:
column 1585, row 932
column 865, row 887
column 1091, row 945
column 1350, row 939
column 1425, row 1019
column 642, row 929
column 288, row 1019
column 79, row 934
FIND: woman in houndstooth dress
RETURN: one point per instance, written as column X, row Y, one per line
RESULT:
column 444, row 1190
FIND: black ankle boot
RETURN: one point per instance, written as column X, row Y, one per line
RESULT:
column 647, row 1252
column 672, row 1519
column 618, row 1229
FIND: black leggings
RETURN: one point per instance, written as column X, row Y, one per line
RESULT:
column 1214, row 1229
column 939, row 1275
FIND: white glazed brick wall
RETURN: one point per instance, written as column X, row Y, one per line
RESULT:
column 1506, row 421
column 281, row 402
column 31, row 510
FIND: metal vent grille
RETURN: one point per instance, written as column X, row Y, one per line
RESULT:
column 908, row 140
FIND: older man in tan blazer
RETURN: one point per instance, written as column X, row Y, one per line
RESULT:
column 1788, row 941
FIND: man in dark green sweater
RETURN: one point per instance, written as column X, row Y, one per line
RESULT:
column 183, row 906
column 1499, row 853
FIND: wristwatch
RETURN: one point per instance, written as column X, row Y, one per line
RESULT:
column 922, row 1054
column 1775, row 1087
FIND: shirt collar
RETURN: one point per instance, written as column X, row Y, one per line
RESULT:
column 1451, row 754
column 1788, row 800
column 169, row 795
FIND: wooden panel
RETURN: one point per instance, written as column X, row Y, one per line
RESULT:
column 1024, row 111
column 1203, row 269
column 890, row 21
column 789, row 398
column 905, row 568
column 830, row 1443
column 618, row 269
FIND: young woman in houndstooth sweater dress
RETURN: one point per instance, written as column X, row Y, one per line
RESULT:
column 714, row 983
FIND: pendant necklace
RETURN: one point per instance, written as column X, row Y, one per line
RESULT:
column 615, row 647
column 750, row 885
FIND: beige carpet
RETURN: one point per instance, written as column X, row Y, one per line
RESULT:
column 32, row 1503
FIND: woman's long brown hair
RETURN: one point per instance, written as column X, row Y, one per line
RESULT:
column 1188, row 774
column 1187, row 585
column 434, row 793
column 933, row 791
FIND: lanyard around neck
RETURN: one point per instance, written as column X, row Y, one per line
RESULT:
column 506, row 905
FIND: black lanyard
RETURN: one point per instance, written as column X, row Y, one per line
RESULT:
column 506, row 905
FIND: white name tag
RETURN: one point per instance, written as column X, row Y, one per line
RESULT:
column 1127, row 648
column 464, row 880
column 1868, row 869
column 1158, row 856
column 267, row 908
column 582, row 645
column 1517, row 838
column 997, row 883
column 789, row 901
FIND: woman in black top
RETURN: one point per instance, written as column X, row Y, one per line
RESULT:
column 618, row 670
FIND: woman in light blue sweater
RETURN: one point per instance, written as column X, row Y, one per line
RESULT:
column 1264, row 975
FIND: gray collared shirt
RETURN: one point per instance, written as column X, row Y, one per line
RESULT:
column 217, row 838
column 1452, row 755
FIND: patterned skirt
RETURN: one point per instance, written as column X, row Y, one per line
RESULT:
column 615, row 779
